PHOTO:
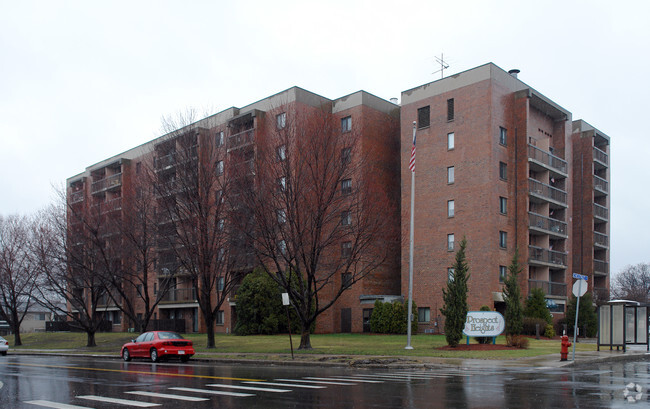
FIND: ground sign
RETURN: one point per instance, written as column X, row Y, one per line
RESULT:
column 484, row 324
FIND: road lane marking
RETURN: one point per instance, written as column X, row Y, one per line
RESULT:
column 248, row 388
column 349, row 383
column 287, row 385
column 168, row 396
column 54, row 405
column 125, row 402
column 180, row 375
column 344, row 379
column 237, row 394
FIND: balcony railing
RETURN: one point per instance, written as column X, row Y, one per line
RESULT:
column 164, row 161
column 601, row 239
column 545, row 256
column 241, row 139
column 601, row 266
column 547, row 192
column 110, row 206
column 549, row 287
column 107, row 183
column 547, row 224
column 174, row 158
column 601, row 184
column 601, row 156
column 601, row 212
column 180, row 295
column 547, row 159
column 76, row 197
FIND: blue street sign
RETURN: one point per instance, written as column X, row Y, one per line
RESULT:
column 580, row 276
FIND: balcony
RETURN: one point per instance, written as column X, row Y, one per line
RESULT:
column 546, row 225
column 179, row 295
column 164, row 162
column 601, row 212
column 601, row 160
column 549, row 287
column 172, row 159
column 541, row 192
column 601, row 267
column 241, row 139
column 541, row 160
column 107, row 183
column 548, row 258
column 601, row 240
column 112, row 205
column 601, row 186
column 76, row 197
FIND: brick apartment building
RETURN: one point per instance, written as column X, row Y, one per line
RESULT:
column 109, row 189
column 497, row 162
column 505, row 167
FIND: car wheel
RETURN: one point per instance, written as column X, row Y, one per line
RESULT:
column 126, row 355
column 185, row 358
column 3, row 353
column 154, row 355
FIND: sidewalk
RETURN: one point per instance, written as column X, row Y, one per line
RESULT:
column 360, row 361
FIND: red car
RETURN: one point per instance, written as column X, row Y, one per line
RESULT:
column 157, row 345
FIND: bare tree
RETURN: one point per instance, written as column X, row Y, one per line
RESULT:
column 18, row 275
column 316, row 216
column 633, row 283
column 192, row 186
column 71, row 252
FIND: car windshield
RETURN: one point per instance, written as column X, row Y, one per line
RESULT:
column 169, row 335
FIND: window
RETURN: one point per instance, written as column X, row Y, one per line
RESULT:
column 221, row 252
column 450, row 242
column 346, row 249
column 220, row 224
column 424, row 314
column 450, row 175
column 503, row 170
column 155, row 288
column 138, row 168
column 450, row 208
column 282, row 183
column 281, row 120
column 282, row 246
column 346, row 186
column 503, row 136
column 424, row 117
column 219, row 318
column 450, row 274
column 346, row 155
column 503, row 205
column 281, row 153
column 503, row 239
column 346, row 218
column 503, row 273
column 219, row 139
column 282, row 216
column 218, row 196
column 346, row 124
column 346, row 280
column 450, row 141
column 117, row 318
column 220, row 283
column 450, row 109
column 39, row 316
column 219, row 168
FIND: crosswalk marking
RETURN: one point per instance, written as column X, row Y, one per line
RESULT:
column 248, row 388
column 344, row 379
column 328, row 382
column 212, row 392
column 167, row 396
column 288, row 385
column 126, row 402
column 400, row 377
column 54, row 405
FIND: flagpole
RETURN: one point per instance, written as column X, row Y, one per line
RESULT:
column 410, row 303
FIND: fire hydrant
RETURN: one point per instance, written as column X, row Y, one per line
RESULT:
column 564, row 351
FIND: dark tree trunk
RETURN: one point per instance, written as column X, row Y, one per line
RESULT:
column 305, row 340
column 91, row 339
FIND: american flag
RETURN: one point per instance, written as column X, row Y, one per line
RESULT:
column 412, row 161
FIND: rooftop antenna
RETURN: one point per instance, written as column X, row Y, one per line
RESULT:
column 443, row 65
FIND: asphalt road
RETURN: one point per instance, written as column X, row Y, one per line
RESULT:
column 45, row 381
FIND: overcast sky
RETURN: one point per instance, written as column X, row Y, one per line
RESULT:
column 81, row 81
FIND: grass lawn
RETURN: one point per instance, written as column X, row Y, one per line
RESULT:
column 269, row 346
